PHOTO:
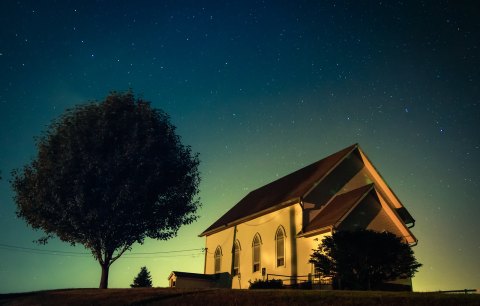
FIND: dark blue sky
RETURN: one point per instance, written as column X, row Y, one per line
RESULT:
column 259, row 89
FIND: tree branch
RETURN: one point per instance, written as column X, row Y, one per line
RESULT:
column 126, row 247
column 98, row 254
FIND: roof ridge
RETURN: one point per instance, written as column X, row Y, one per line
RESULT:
column 368, row 188
column 309, row 165
column 315, row 184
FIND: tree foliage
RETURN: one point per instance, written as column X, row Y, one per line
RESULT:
column 143, row 279
column 364, row 259
column 109, row 174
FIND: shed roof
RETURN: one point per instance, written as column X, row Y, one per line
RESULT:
column 195, row 275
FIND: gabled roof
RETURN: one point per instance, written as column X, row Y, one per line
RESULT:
column 286, row 190
column 334, row 212
column 336, row 209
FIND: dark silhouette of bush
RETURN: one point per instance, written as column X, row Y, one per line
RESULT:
column 364, row 259
column 266, row 284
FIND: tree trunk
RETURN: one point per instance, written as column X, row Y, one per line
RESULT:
column 104, row 278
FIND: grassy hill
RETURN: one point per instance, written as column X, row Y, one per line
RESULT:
column 168, row 296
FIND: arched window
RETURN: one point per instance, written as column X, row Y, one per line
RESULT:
column 280, row 246
column 256, row 252
column 218, row 259
column 236, row 258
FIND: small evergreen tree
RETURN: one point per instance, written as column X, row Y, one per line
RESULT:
column 143, row 279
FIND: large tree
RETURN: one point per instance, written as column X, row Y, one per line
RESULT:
column 364, row 259
column 109, row 174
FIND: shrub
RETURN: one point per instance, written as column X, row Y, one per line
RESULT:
column 266, row 284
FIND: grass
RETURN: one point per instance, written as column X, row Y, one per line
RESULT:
column 169, row 296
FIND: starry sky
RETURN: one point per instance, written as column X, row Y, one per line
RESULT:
column 259, row 89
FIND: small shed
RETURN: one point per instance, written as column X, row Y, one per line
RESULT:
column 178, row 279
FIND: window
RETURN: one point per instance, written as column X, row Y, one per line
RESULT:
column 256, row 252
column 236, row 258
column 280, row 246
column 218, row 259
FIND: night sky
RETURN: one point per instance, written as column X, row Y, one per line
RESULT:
column 259, row 89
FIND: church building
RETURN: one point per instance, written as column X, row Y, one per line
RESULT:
column 273, row 229
column 271, row 232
